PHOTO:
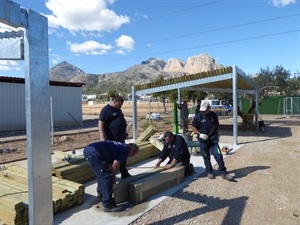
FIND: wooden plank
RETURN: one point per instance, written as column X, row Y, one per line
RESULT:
column 14, row 193
column 144, row 188
column 146, row 134
column 158, row 144
column 122, row 191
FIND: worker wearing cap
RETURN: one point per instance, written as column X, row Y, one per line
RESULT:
column 205, row 125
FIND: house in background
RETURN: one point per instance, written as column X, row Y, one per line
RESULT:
column 65, row 99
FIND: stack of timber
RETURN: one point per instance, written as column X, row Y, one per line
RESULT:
column 146, row 134
column 147, row 151
column 141, row 190
column 14, row 195
column 138, row 188
column 76, row 169
column 122, row 190
column 157, row 143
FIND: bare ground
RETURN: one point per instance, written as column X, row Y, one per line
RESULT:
column 13, row 144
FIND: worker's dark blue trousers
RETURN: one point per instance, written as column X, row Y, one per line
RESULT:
column 211, row 147
column 103, row 174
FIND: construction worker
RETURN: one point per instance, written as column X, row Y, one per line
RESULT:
column 205, row 125
column 184, row 116
column 176, row 149
column 105, row 158
column 112, row 126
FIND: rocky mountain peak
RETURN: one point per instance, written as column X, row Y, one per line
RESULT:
column 148, row 71
column 200, row 63
column 65, row 71
column 174, row 66
column 155, row 62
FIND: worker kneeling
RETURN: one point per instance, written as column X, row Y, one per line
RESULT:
column 105, row 158
column 176, row 149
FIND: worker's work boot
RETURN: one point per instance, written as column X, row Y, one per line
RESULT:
column 125, row 175
column 190, row 169
column 226, row 176
column 211, row 176
column 99, row 196
column 112, row 207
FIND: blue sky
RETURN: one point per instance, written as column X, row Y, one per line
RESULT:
column 102, row 36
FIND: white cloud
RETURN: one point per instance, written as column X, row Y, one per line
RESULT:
column 120, row 52
column 145, row 16
column 54, row 31
column 89, row 48
column 9, row 65
column 124, row 43
column 87, row 15
column 283, row 3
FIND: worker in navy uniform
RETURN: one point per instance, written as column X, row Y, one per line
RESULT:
column 176, row 149
column 105, row 158
column 197, row 107
column 112, row 126
column 205, row 125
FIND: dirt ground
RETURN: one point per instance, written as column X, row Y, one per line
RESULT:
column 13, row 146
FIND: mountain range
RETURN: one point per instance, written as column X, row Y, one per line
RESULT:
column 146, row 72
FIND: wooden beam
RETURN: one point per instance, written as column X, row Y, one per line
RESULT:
column 158, row 144
column 122, row 191
column 142, row 189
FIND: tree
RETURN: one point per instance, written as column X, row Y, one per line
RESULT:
column 112, row 93
column 293, row 86
column 161, row 95
column 281, row 77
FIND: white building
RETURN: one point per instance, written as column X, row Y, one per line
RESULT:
column 65, row 98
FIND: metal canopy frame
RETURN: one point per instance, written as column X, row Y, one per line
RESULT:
column 37, row 97
column 229, row 79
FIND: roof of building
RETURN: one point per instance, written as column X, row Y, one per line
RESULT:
column 220, row 80
column 51, row 82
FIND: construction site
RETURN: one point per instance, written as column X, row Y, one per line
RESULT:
column 58, row 187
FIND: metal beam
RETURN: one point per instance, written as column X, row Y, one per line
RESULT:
column 10, row 13
column 235, row 105
column 37, row 97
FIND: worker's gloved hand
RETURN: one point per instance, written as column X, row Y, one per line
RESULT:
column 203, row 136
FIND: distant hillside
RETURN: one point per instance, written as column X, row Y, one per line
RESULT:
column 148, row 71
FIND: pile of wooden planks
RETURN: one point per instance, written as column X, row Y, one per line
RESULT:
column 146, row 134
column 147, row 151
column 77, row 170
column 142, row 186
column 14, row 195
